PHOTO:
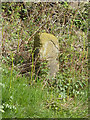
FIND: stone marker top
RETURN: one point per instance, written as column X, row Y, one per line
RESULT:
column 44, row 37
column 50, row 46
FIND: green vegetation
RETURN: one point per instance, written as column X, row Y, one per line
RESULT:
column 26, row 90
column 23, row 100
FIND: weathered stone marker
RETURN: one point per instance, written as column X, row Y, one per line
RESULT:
column 48, row 47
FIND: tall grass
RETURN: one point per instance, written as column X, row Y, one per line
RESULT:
column 11, row 78
column 27, row 101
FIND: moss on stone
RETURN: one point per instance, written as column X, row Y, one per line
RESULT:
column 47, row 45
column 50, row 45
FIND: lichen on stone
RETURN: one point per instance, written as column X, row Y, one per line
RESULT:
column 48, row 47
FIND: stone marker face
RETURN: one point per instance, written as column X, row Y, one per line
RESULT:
column 49, row 49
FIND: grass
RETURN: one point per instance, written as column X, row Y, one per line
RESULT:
column 25, row 101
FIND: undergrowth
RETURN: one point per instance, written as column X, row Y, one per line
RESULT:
column 34, row 101
column 27, row 92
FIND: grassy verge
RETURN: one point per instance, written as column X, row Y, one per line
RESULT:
column 25, row 101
